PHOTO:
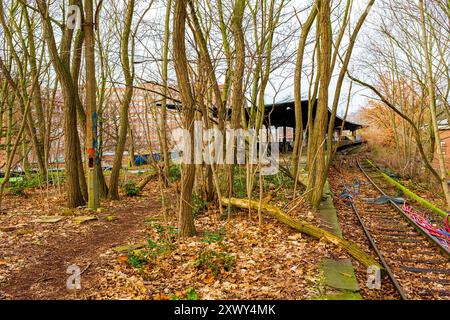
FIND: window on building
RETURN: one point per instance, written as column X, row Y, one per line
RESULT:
column 443, row 146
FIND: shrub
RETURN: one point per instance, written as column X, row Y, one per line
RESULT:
column 131, row 189
column 161, row 247
column 215, row 261
column 17, row 186
column 166, row 243
column 34, row 180
column 175, row 173
column 279, row 180
column 165, row 232
column 137, row 258
column 56, row 177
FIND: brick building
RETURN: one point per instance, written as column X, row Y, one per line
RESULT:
column 145, row 114
column 444, row 134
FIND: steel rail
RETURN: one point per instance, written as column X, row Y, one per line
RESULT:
column 388, row 270
column 411, row 222
column 414, row 224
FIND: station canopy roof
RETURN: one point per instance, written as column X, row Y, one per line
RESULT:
column 283, row 115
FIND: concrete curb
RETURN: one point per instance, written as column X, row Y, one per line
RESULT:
column 339, row 275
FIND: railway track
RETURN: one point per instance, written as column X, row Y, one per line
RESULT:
column 417, row 264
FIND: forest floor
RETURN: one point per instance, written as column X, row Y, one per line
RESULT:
column 228, row 259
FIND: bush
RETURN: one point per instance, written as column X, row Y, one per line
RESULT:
column 131, row 189
column 214, row 261
column 166, row 243
column 56, row 177
column 164, row 232
column 17, row 186
column 175, row 173
column 240, row 188
column 34, row 180
column 279, row 180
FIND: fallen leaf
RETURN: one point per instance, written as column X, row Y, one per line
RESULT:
column 209, row 280
column 160, row 296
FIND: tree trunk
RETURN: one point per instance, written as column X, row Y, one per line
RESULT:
column 164, row 144
column 61, row 65
column 317, row 166
column 298, row 139
column 185, row 218
column 238, row 93
column 123, row 130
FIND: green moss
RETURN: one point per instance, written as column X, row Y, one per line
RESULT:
column 410, row 194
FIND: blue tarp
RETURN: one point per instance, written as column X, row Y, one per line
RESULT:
column 142, row 159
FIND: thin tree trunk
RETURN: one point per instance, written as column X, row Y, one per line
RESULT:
column 317, row 167
column 298, row 139
column 164, row 145
column 238, row 93
column 185, row 218
column 124, row 122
